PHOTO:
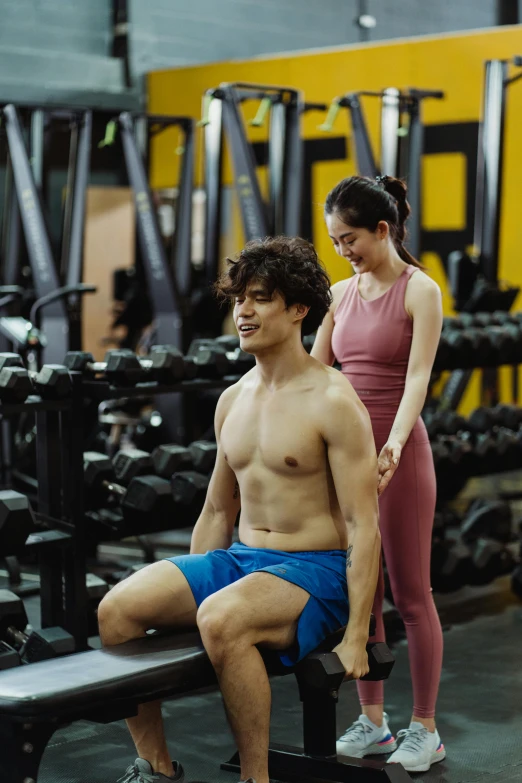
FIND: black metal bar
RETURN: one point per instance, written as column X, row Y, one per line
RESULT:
column 54, row 322
column 253, row 211
column 49, row 474
column 489, row 168
column 213, row 180
column 390, row 121
column 75, row 599
column 508, row 12
column 72, row 251
column 11, row 230
column 183, row 236
column 294, row 166
column 366, row 165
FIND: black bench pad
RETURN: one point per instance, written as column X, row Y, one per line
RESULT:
column 158, row 666
column 73, row 686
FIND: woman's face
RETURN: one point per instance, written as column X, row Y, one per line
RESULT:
column 363, row 249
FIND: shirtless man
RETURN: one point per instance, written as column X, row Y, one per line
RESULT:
column 296, row 454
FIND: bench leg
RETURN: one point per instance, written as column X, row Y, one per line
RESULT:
column 23, row 745
column 318, row 760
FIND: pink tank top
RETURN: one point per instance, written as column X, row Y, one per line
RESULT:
column 372, row 340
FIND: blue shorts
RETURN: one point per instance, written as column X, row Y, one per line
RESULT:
column 322, row 574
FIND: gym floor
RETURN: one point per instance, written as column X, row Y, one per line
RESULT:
column 479, row 715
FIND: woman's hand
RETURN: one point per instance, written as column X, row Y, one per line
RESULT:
column 388, row 463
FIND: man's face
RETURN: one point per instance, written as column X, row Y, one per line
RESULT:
column 262, row 320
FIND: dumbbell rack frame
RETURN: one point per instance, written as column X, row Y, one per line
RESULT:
column 59, row 463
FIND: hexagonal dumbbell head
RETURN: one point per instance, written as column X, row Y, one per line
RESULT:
column 97, row 468
column 12, row 612
column 189, row 487
column 148, row 495
column 321, row 671
column 123, row 368
column 53, row 382
column 15, row 385
column 16, row 521
column 169, row 458
column 167, row 363
column 78, row 360
column 10, row 360
column 203, row 453
column 131, row 463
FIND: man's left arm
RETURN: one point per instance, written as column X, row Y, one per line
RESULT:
column 353, row 462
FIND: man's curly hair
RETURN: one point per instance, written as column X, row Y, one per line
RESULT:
column 288, row 265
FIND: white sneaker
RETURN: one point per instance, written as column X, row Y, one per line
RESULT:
column 419, row 749
column 364, row 738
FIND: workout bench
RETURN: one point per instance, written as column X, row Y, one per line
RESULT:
column 108, row 685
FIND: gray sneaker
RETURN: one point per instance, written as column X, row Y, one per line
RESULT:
column 364, row 738
column 141, row 772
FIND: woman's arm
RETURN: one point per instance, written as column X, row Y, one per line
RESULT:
column 423, row 301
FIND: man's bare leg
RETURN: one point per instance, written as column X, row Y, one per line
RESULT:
column 157, row 596
column 259, row 609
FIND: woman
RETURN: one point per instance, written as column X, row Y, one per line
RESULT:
column 383, row 328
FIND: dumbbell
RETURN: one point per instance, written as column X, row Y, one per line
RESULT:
column 324, row 671
column 122, row 367
column 441, row 422
column 241, row 361
column 129, row 463
column 169, row 458
column 451, row 565
column 203, row 454
column 487, row 519
column 9, row 657
column 470, row 346
column 200, row 455
column 490, row 559
column 144, row 495
column 210, row 358
column 16, row 522
column 509, row 416
column 483, row 419
column 53, row 382
column 38, row 645
column 189, row 490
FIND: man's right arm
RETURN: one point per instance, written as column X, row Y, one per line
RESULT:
column 215, row 524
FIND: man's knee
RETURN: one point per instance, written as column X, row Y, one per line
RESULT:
column 221, row 622
column 113, row 614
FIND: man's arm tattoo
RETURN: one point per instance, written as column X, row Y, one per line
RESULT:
column 348, row 556
column 236, row 491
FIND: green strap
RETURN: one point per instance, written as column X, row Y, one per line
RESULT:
column 110, row 134
column 331, row 117
column 264, row 107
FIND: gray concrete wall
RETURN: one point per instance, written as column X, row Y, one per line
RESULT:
column 57, row 50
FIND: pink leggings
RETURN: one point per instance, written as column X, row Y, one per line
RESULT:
column 407, row 509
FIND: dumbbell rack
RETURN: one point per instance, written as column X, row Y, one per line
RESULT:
column 60, row 447
column 61, row 550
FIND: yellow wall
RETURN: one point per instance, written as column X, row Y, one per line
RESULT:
column 453, row 64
